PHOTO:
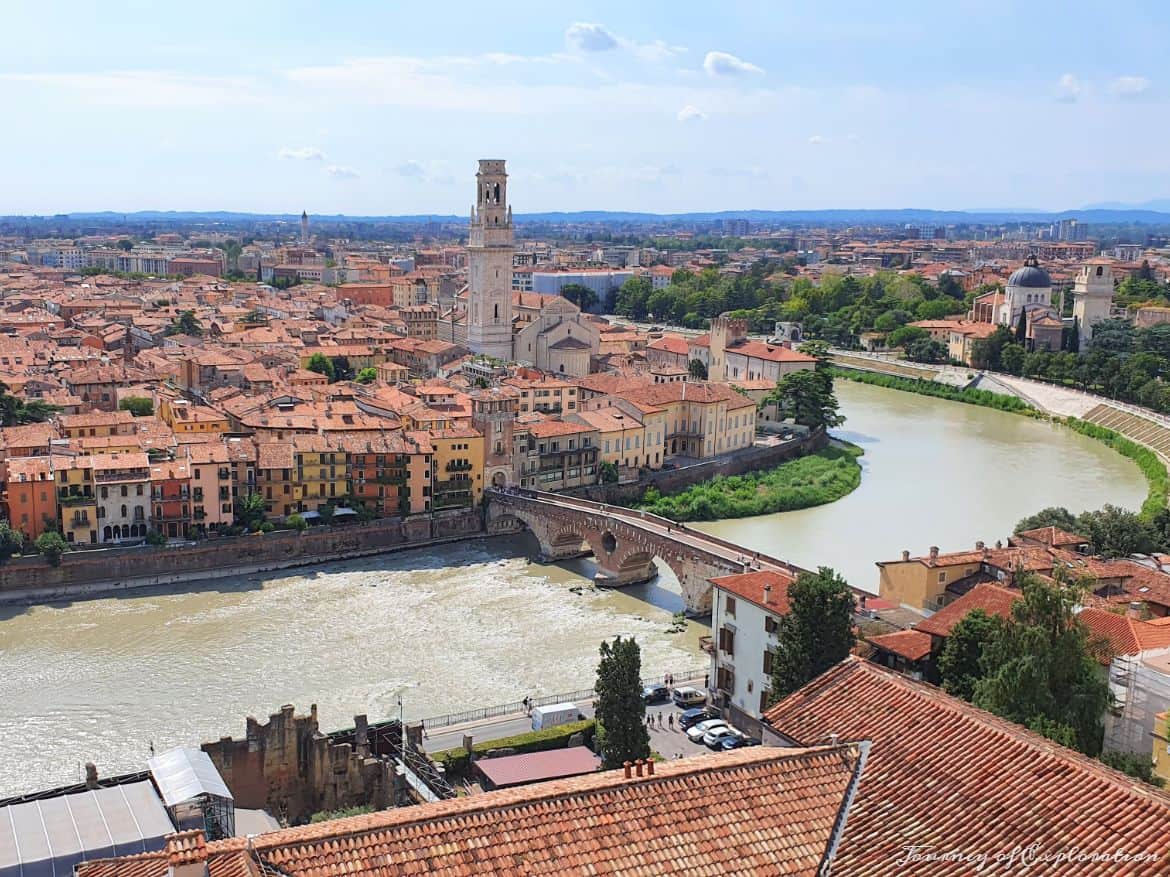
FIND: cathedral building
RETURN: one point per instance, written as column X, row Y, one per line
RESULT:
column 554, row 335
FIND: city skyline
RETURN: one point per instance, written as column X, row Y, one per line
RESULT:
column 596, row 107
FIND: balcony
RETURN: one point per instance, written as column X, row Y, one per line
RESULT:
column 74, row 499
column 79, row 521
column 459, row 466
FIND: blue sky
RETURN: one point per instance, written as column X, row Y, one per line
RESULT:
column 383, row 108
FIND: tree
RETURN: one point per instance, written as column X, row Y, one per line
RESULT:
column 1022, row 327
column 1011, row 359
column 926, row 350
column 1040, row 671
column 632, row 298
column 52, row 544
column 250, row 511
column 608, row 473
column 156, row 537
column 807, row 397
column 697, row 369
column 621, row 726
column 1137, row 766
column 904, row 336
column 816, row 633
column 960, row 663
column 321, row 364
column 186, row 324
column 15, row 411
column 11, row 541
column 297, row 522
column 1115, row 532
column 367, row 375
column 126, row 245
column 582, row 296
column 1053, row 516
column 139, row 406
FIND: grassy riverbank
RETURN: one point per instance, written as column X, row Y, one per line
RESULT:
column 814, row 480
column 986, row 398
column 1151, row 465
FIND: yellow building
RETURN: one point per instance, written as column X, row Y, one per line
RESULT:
column 1162, row 746
column 919, row 582
column 544, row 393
column 621, row 438
column 183, row 417
column 321, row 474
column 457, row 468
column 275, row 467
column 76, row 503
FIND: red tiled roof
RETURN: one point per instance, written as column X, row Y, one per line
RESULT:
column 992, row 599
column 1123, row 635
column 769, row 352
column 751, row 811
column 954, row 778
column 1052, row 536
column 750, row 586
column 913, row 645
column 533, row 767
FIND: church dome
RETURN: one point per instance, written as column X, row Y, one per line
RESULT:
column 1031, row 276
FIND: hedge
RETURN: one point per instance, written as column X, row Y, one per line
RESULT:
column 457, row 761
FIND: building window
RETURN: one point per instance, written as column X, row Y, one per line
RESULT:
column 729, row 606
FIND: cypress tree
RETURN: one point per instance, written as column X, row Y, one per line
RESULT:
column 621, row 726
column 1022, row 326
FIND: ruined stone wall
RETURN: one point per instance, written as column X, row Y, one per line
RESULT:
column 289, row 767
column 120, row 568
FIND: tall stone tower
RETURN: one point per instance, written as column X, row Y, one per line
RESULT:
column 489, row 261
column 1092, row 297
column 304, row 226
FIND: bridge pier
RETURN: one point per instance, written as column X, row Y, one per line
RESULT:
column 632, row 571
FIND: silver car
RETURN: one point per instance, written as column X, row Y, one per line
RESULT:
column 697, row 732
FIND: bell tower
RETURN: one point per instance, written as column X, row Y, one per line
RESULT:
column 489, row 260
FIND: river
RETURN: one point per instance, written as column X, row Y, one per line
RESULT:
column 478, row 623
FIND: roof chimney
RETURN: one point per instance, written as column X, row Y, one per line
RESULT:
column 979, row 545
column 933, row 554
column 767, row 593
column 91, row 777
column 638, row 767
column 905, row 555
column 1136, row 610
column 627, row 765
column 649, row 767
column 187, row 854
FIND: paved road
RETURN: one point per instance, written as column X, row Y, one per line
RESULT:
column 665, row 740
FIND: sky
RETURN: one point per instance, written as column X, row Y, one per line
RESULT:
column 383, row 108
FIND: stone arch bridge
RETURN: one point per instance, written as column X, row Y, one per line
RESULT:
column 624, row 542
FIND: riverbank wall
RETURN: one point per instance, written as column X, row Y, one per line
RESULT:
column 670, row 480
column 85, row 573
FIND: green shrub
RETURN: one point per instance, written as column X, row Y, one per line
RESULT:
column 816, row 479
column 326, row 815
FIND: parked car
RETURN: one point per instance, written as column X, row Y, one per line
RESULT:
column 655, row 694
column 714, row 738
column 685, row 696
column 693, row 716
column 738, row 742
column 697, row 732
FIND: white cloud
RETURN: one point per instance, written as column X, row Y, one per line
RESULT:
column 724, row 64
column 410, row 169
column 586, row 36
column 301, row 153
column 691, row 113
column 1068, row 89
column 1130, row 86
column 817, row 140
column 342, row 172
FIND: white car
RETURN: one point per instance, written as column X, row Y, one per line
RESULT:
column 697, row 732
column 713, row 737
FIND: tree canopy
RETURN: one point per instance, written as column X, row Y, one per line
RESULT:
column 582, row 296
column 139, row 406
column 185, row 324
column 816, row 633
column 14, row 410
column 322, row 365
column 807, row 397
column 621, row 728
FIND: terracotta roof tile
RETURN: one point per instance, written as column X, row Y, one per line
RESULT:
column 913, row 645
column 992, row 599
column 954, row 778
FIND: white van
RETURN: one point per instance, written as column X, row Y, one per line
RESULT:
column 686, row 697
column 554, row 714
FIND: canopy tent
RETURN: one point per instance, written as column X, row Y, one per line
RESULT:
column 194, row 792
column 47, row 837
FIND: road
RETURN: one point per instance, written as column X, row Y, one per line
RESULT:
column 667, row 741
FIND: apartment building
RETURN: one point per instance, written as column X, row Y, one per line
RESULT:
column 122, row 487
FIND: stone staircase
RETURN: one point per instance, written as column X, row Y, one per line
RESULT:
column 1140, row 429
